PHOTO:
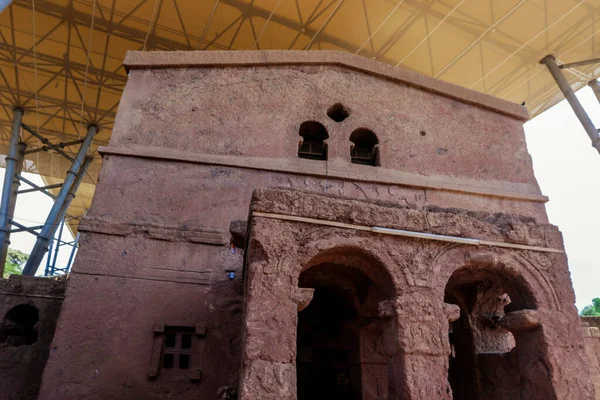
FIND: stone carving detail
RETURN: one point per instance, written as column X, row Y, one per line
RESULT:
column 371, row 344
column 540, row 261
column 375, row 381
column 488, row 336
column 452, row 312
column 422, row 338
column 303, row 297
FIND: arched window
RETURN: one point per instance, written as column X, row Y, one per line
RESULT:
column 312, row 145
column 18, row 326
column 365, row 147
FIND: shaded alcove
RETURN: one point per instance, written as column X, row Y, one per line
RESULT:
column 18, row 326
column 312, row 145
column 519, row 373
column 365, row 147
column 339, row 336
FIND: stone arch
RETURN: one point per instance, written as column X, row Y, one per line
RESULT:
column 499, row 350
column 368, row 263
column 340, row 337
column 525, row 267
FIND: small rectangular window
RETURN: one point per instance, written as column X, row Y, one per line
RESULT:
column 168, row 361
column 170, row 339
column 177, row 348
column 184, row 361
column 186, row 340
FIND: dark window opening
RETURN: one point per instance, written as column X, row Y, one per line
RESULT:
column 18, row 326
column 168, row 360
column 184, row 361
column 177, row 347
column 170, row 339
column 186, row 341
column 365, row 147
column 338, row 112
column 312, row 145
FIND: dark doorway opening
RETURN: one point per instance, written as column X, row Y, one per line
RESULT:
column 326, row 341
column 339, row 339
column 522, row 372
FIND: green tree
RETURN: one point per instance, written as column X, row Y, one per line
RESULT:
column 15, row 260
column 592, row 310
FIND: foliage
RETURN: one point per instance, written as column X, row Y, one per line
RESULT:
column 15, row 260
column 592, row 310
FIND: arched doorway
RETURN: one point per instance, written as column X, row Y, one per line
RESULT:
column 340, row 351
column 498, row 347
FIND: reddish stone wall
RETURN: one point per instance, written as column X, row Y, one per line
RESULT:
column 190, row 144
column 22, row 363
column 547, row 361
column 591, row 338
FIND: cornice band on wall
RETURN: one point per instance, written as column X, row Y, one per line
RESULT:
column 381, row 175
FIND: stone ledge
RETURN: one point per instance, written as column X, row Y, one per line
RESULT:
column 265, row 58
column 499, row 227
column 33, row 286
column 505, row 190
column 154, row 230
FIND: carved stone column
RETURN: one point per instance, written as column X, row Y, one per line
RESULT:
column 271, row 315
column 373, row 363
column 418, row 363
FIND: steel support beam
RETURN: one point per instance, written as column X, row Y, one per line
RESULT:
column 595, row 85
column 65, row 195
column 48, row 143
column 50, row 260
column 566, row 89
column 72, row 255
column 60, row 145
column 14, row 164
column 580, row 63
column 42, row 189
column 23, row 228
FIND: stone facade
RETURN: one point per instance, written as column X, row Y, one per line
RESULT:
column 591, row 339
column 170, row 297
column 410, row 285
column 29, row 308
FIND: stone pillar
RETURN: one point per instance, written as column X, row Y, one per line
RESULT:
column 372, row 363
column 561, row 339
column 418, row 347
column 271, row 317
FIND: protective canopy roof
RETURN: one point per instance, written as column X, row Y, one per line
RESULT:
column 61, row 60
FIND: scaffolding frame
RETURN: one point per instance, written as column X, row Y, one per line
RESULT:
column 46, row 233
column 563, row 84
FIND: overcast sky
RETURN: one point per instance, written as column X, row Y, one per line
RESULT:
column 566, row 167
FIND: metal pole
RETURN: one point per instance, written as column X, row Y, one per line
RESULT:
column 72, row 255
column 14, row 164
column 595, row 85
column 51, row 265
column 58, row 208
column 565, row 88
column 47, row 270
column 580, row 63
